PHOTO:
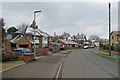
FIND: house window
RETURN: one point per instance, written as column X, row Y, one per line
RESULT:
column 37, row 38
column 112, row 44
column 37, row 46
column 13, row 45
column 49, row 38
column 44, row 45
column 24, row 45
column 27, row 36
column 119, row 38
column 3, row 46
column 112, row 37
column 9, row 37
column 44, row 38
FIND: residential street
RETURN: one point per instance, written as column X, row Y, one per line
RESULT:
column 83, row 63
column 80, row 63
column 45, row 67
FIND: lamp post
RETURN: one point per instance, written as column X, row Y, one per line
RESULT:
column 34, row 31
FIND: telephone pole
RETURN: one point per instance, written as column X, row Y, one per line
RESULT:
column 109, row 31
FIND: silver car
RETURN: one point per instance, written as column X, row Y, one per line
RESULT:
column 85, row 47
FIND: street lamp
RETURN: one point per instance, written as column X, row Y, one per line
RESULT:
column 34, row 31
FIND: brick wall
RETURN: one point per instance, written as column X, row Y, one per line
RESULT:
column 28, row 57
column 48, row 41
column 39, row 51
column 7, row 45
column 40, row 42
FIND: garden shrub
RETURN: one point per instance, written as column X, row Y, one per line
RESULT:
column 105, row 47
column 112, row 47
column 117, row 48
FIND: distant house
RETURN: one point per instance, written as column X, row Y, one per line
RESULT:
column 114, row 37
column 95, row 42
column 65, row 36
column 80, row 37
column 54, row 44
column 67, row 43
column 104, row 41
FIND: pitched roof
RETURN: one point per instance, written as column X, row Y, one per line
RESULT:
column 67, row 42
column 31, row 40
column 19, row 37
column 116, row 32
column 21, row 31
column 16, row 39
column 104, row 40
column 30, row 30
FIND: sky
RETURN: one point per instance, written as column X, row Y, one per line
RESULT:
column 90, row 18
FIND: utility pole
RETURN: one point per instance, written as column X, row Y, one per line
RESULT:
column 109, row 31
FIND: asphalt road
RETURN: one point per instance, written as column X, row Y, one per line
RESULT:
column 45, row 67
column 84, row 63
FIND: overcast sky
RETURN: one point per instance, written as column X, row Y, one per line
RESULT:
column 73, row 17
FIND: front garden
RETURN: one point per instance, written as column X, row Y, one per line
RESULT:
column 105, row 48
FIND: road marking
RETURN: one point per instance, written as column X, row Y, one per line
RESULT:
column 59, row 70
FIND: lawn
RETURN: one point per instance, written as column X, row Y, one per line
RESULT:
column 111, row 57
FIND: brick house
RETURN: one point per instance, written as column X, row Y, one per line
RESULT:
column 54, row 44
column 67, row 44
column 24, row 38
column 115, row 37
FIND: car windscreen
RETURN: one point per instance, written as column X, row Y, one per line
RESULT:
column 16, row 50
column 26, row 50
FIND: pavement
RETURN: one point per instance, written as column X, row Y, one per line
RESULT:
column 45, row 67
column 11, row 64
column 84, row 63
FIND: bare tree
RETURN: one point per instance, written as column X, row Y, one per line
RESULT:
column 55, row 38
column 94, row 37
column 61, row 37
column 2, row 23
column 21, row 26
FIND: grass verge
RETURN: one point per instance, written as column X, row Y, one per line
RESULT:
column 65, row 52
column 111, row 57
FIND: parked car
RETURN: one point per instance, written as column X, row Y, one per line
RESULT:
column 62, row 48
column 20, row 50
column 92, row 46
column 85, row 47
